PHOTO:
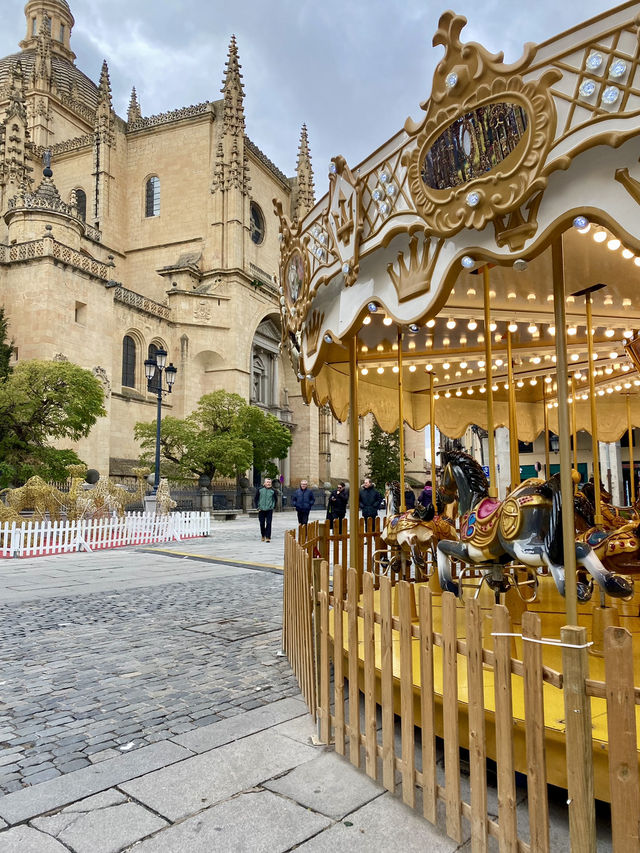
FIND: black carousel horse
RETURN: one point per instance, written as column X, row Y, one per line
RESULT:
column 525, row 528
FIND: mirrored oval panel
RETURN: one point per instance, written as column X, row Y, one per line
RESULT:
column 474, row 144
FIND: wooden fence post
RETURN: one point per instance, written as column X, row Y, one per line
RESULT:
column 577, row 712
column 477, row 740
column 534, row 732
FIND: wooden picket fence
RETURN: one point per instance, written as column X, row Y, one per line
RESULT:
column 369, row 642
column 40, row 538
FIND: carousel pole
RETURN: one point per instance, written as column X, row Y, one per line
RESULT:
column 514, row 455
column 493, row 484
column 632, row 477
column 546, row 430
column 403, row 505
column 592, row 402
column 566, row 483
column 354, row 447
column 432, row 431
column 574, row 431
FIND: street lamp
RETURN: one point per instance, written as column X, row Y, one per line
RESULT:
column 151, row 365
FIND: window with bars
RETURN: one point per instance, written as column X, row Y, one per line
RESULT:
column 152, row 197
column 128, row 362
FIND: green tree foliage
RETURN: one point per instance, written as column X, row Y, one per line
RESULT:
column 222, row 437
column 383, row 456
column 42, row 402
column 6, row 347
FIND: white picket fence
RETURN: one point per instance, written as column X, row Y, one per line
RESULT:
column 39, row 538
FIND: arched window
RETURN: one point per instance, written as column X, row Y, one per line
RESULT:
column 257, row 223
column 152, row 384
column 259, row 380
column 128, row 362
column 152, row 197
column 81, row 203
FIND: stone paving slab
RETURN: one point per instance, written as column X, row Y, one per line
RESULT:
column 94, row 826
column 25, row 839
column 380, row 826
column 329, row 784
column 255, row 822
column 196, row 783
column 226, row 731
column 30, row 802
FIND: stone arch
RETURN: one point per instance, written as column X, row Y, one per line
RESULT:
column 208, row 371
column 139, row 356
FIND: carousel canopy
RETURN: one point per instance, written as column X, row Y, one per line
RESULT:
column 464, row 205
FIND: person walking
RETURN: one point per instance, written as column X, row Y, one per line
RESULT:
column 426, row 495
column 370, row 500
column 265, row 503
column 338, row 500
column 303, row 500
column 409, row 498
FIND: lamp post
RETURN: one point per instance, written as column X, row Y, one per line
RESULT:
column 151, row 365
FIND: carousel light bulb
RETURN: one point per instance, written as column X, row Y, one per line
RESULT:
column 577, row 375
column 381, row 370
column 463, row 340
column 463, row 364
column 626, row 302
column 394, row 347
column 549, row 297
column 600, row 236
column 608, row 300
column 636, row 382
column 472, row 325
column 533, row 382
column 532, row 329
column 580, row 222
column 572, row 329
column 569, row 399
column 447, row 376
column 482, row 389
column 548, row 380
column 380, row 348
column 458, row 373
column 494, row 387
column 428, row 342
column 497, row 337
column 412, row 368
column 595, row 356
column 469, row 391
column 608, row 370
column 458, row 393
column 513, row 326
column 553, row 358
column 571, row 299
column 467, row 262
column 575, row 356
column 480, row 338
column 627, row 254
column 600, row 392
column 536, row 359
column 445, row 342
column 636, row 261
column 613, row 354
column 412, row 344
column 499, row 362
column 618, row 387
column 616, row 365
column 627, row 333
column 552, row 330
column 626, row 368
column 506, row 386
column 366, row 321
column 430, row 323
column 395, row 368
column 585, row 396
column 469, row 371
column 364, row 371
column 613, row 244
column 493, row 326
column 627, row 385
column 609, row 390
column 471, row 291
column 520, row 383
column 436, row 396
column 549, row 405
column 531, row 297
column 387, row 321
column 446, row 365
column 447, row 394
column 609, row 333
column 428, row 367
column 512, row 295
column 451, row 323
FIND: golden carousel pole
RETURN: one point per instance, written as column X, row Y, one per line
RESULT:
column 546, row 430
column 632, row 478
column 493, row 484
column 432, row 431
column 354, row 443
column 574, row 431
column 595, row 452
column 403, row 505
column 514, row 455
column 575, row 664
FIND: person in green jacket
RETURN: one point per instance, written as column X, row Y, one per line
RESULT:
column 265, row 501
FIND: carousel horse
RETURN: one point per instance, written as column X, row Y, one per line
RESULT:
column 526, row 528
column 612, row 516
column 412, row 534
column 617, row 547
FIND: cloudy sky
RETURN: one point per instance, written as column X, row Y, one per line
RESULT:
column 351, row 70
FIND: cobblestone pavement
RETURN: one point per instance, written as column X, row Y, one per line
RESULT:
column 86, row 676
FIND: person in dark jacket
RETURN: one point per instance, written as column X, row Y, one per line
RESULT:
column 426, row 495
column 409, row 498
column 303, row 500
column 338, row 500
column 370, row 500
column 265, row 502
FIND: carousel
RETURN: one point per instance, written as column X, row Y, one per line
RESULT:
column 481, row 269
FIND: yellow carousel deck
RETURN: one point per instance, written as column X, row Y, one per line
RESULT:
column 550, row 607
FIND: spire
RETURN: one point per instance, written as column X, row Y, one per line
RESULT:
column 134, row 113
column 17, row 104
column 233, row 90
column 304, row 173
column 218, row 170
column 42, row 65
column 104, row 87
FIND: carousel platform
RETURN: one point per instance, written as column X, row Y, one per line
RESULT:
column 549, row 605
